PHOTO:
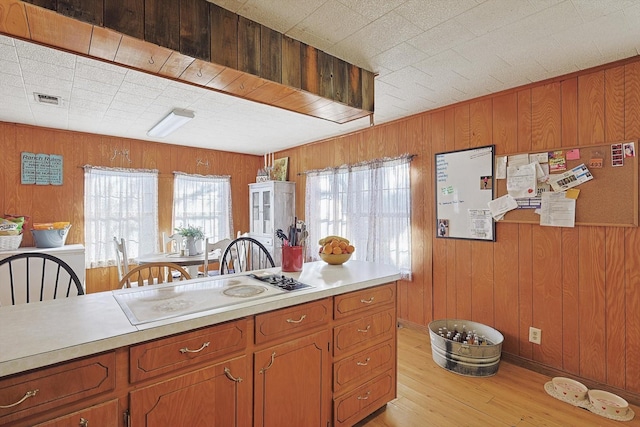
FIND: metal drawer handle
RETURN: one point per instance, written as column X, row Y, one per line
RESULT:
column 83, row 422
column 297, row 321
column 27, row 395
column 202, row 347
column 273, row 358
column 365, row 363
column 227, row 372
column 365, row 330
column 365, row 397
column 367, row 301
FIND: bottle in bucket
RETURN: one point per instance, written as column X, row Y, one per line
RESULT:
column 292, row 258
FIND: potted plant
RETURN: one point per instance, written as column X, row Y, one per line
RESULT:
column 191, row 235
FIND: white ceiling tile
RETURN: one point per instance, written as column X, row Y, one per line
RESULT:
column 8, row 53
column 95, row 86
column 430, row 14
column 280, row 18
column 443, row 37
column 79, row 94
column 310, row 39
column 46, row 69
column 591, row 10
column 397, row 57
column 99, row 74
column 34, row 52
column 7, row 40
column 372, row 9
column 332, row 22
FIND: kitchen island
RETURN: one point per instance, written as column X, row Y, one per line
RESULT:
column 319, row 355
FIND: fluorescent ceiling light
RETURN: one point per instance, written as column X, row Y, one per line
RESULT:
column 171, row 122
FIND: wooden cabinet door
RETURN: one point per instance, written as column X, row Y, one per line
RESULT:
column 216, row 396
column 104, row 414
column 293, row 383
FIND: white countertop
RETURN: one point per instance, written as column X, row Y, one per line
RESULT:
column 42, row 333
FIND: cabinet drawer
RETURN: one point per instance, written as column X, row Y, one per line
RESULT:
column 288, row 321
column 363, row 331
column 165, row 355
column 364, row 400
column 364, row 300
column 104, row 414
column 361, row 367
column 48, row 388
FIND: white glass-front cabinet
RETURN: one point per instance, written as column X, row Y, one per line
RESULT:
column 272, row 205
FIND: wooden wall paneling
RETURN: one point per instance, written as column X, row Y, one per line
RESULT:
column 195, row 31
column 291, row 56
column 310, row 75
column 547, row 294
column 248, row 46
column 368, row 96
column 47, row 4
column 505, row 249
column 570, row 300
column 270, row 54
column 56, row 30
column 175, row 65
column 546, row 116
column 142, row 55
column 506, row 286
column 570, row 241
column 614, row 86
column 451, row 264
column 13, row 19
column 615, row 360
column 19, row 198
column 440, row 246
column 354, row 94
column 91, row 11
column 592, row 304
column 632, row 309
column 569, row 94
column 482, row 258
column 632, row 239
column 418, row 300
column 162, row 23
column 325, row 75
column 201, row 72
column 525, row 235
column 125, row 16
column 224, row 36
column 104, row 43
column 340, row 81
column 505, row 123
column 591, row 108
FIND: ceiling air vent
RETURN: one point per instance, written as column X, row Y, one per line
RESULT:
column 41, row 98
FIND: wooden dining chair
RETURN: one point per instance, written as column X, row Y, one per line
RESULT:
column 209, row 248
column 122, row 260
column 153, row 273
column 245, row 254
column 33, row 276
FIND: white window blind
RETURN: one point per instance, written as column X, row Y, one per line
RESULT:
column 203, row 201
column 121, row 203
column 368, row 203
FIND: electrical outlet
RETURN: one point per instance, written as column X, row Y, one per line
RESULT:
column 535, row 335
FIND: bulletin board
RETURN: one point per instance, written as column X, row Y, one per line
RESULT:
column 464, row 187
column 609, row 199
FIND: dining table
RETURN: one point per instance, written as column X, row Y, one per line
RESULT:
column 191, row 262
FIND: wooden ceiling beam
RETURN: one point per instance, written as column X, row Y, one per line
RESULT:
column 199, row 43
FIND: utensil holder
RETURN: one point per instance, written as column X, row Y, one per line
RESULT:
column 292, row 259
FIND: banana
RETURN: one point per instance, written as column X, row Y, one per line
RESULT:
column 328, row 239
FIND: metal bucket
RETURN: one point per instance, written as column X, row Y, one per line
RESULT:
column 471, row 360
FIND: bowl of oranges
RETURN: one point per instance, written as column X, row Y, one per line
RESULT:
column 335, row 250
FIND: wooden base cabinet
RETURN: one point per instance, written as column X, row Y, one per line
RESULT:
column 293, row 383
column 216, row 396
column 364, row 353
column 105, row 414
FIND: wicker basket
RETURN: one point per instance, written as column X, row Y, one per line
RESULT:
column 10, row 243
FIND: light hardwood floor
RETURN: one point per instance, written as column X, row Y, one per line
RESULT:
column 430, row 396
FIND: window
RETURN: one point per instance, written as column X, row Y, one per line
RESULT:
column 120, row 203
column 203, row 201
column 369, row 203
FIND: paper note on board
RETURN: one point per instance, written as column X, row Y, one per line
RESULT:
column 570, row 179
column 557, row 210
column 521, row 180
column 501, row 205
column 572, row 193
